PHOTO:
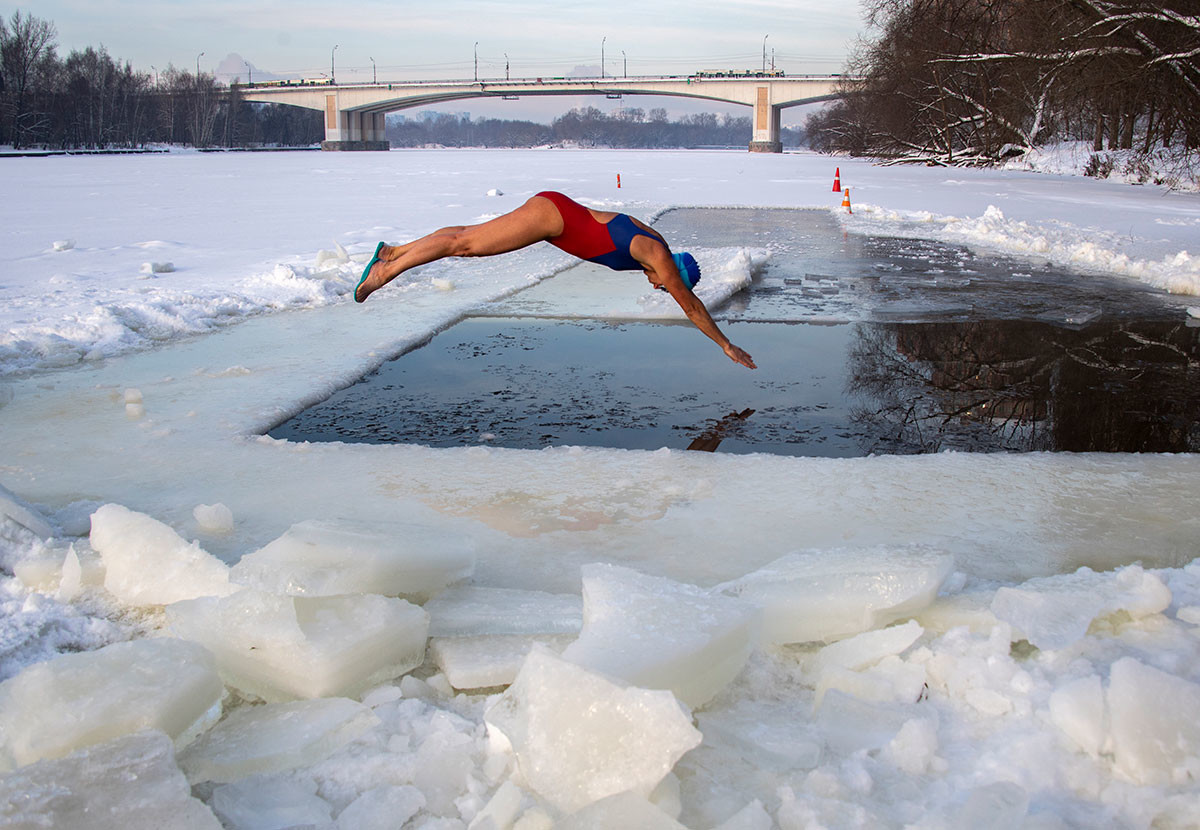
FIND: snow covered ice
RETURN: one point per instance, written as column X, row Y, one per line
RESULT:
column 930, row 649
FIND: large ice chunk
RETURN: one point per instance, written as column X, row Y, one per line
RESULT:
column 275, row 737
column 127, row 783
column 281, row 648
column 325, row 558
column 579, row 736
column 1155, row 723
column 659, row 634
column 469, row 610
column 51, row 709
column 490, row 660
column 148, row 563
column 1054, row 611
column 830, row 594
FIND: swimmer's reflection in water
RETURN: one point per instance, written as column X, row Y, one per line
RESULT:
column 711, row 438
column 614, row 240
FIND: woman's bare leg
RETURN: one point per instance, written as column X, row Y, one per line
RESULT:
column 534, row 221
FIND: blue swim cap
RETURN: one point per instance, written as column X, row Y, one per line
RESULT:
column 689, row 269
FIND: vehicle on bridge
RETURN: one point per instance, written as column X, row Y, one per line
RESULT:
column 739, row 73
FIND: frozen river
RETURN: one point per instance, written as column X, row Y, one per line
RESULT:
column 878, row 641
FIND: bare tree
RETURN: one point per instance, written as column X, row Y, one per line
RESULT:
column 26, row 44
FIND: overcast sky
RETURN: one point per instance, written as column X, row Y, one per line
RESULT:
column 430, row 40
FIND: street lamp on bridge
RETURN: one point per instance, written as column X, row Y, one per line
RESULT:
column 602, row 55
column 477, row 60
column 624, row 65
column 374, row 75
column 198, row 57
column 331, row 52
column 764, row 69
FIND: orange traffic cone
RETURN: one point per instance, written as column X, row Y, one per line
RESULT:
column 618, row 180
column 846, row 201
column 837, row 180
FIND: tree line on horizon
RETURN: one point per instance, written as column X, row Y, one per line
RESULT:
column 971, row 81
column 89, row 100
column 629, row 128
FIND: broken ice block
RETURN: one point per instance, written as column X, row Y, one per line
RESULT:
column 839, row 665
column 830, row 594
column 275, row 737
column 490, row 660
column 1054, row 611
column 77, row 700
column 501, row 810
column 1155, row 730
column 319, row 558
column 276, row 803
column 579, row 736
column 148, row 563
column 43, row 571
column 1077, row 708
column 23, row 515
column 972, row 610
column 620, row 810
column 659, row 634
column 468, row 610
column 281, row 648
column 213, row 518
column 892, row 679
column 127, row 783
column 868, row 648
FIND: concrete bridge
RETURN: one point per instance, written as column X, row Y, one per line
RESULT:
column 354, row 113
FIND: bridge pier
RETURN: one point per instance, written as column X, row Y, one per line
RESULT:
column 352, row 129
column 766, row 123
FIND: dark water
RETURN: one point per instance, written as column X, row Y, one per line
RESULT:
column 842, row 390
column 940, row 348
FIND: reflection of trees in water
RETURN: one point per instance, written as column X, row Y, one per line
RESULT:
column 1023, row 386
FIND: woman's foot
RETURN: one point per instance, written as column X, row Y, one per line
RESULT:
column 370, row 276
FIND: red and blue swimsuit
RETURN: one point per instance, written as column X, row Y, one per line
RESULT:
column 584, row 237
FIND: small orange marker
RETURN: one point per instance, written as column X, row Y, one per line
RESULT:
column 846, row 201
column 618, row 180
column 837, row 180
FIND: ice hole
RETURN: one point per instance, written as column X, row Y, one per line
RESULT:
column 865, row 345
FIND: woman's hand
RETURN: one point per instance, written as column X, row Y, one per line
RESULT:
column 740, row 356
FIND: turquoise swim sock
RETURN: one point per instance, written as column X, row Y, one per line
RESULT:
column 367, row 270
